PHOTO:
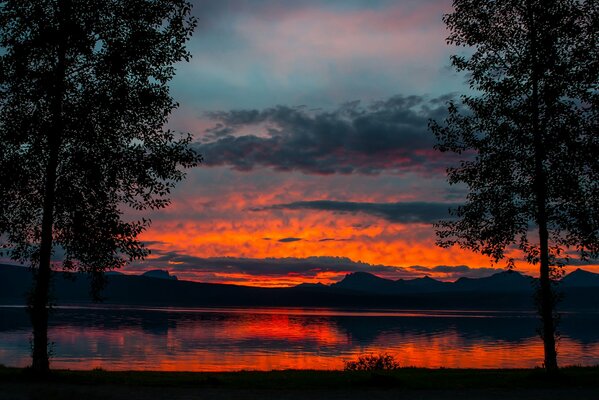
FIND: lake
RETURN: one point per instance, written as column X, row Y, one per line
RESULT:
column 170, row 339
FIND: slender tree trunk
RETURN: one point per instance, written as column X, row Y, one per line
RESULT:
column 546, row 295
column 39, row 305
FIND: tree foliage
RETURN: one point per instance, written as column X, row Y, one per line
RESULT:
column 528, row 133
column 84, row 97
column 373, row 362
column 112, row 149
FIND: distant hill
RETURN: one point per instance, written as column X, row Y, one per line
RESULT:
column 502, row 291
column 425, row 284
column 507, row 281
column 580, row 278
column 159, row 274
column 365, row 282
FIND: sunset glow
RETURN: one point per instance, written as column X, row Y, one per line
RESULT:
column 297, row 103
column 311, row 117
column 299, row 199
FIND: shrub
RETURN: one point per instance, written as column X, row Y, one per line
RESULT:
column 371, row 362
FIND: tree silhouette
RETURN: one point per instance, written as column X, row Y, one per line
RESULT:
column 84, row 97
column 529, row 137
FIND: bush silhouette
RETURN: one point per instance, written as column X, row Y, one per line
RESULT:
column 371, row 362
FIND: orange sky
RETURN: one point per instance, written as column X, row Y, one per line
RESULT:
column 215, row 221
column 305, row 101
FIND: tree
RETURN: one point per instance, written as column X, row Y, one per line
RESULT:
column 84, row 97
column 528, row 134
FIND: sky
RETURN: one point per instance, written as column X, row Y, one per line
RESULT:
column 312, row 120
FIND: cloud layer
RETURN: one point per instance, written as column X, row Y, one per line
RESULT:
column 386, row 136
column 405, row 212
column 263, row 52
column 293, row 270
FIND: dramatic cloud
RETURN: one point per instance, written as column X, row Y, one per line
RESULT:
column 308, row 267
column 406, row 212
column 272, row 267
column 456, row 271
column 289, row 271
column 386, row 136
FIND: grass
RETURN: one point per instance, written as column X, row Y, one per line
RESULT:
column 406, row 378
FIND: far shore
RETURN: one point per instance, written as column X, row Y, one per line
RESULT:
column 571, row 383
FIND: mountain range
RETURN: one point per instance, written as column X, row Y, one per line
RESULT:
column 506, row 281
column 504, row 290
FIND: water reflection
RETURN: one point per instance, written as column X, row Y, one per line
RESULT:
column 263, row 339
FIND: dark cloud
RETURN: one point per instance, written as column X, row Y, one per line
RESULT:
column 151, row 243
column 443, row 268
column 388, row 135
column 289, row 240
column 308, row 267
column 406, row 212
column 457, row 271
column 574, row 260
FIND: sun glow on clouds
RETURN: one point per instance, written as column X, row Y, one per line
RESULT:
column 293, row 171
column 220, row 213
column 234, row 220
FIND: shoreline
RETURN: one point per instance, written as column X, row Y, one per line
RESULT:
column 406, row 377
column 443, row 384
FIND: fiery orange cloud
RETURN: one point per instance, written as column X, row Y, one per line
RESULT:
column 363, row 239
column 221, row 213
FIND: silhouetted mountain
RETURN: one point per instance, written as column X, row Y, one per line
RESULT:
column 580, row 278
column 425, row 284
column 503, row 291
column 365, row 282
column 318, row 285
column 159, row 274
column 15, row 283
column 506, row 281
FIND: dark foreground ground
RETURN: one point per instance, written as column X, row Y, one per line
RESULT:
column 408, row 383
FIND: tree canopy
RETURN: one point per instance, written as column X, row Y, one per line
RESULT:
column 84, row 97
column 529, row 135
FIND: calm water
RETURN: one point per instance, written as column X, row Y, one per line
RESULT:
column 264, row 339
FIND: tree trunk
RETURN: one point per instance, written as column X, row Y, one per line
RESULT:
column 547, row 304
column 39, row 305
column 546, row 296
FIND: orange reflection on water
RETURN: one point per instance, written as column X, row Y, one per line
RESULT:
column 174, row 354
column 245, row 339
column 288, row 328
